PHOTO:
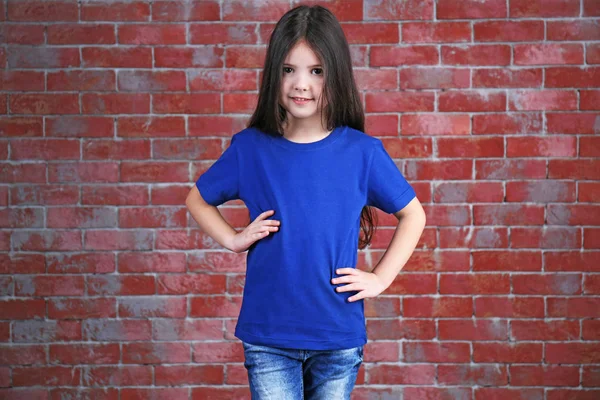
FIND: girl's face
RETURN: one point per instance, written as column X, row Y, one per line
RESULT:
column 302, row 84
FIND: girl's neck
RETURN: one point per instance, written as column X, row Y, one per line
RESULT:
column 304, row 131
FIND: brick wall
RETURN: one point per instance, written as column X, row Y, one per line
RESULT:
column 109, row 111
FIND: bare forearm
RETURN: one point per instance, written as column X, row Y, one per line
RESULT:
column 404, row 241
column 211, row 221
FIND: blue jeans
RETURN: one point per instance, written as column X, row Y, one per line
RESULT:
column 291, row 374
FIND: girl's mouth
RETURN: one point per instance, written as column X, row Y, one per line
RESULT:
column 300, row 100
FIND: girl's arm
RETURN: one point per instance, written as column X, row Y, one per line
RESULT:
column 209, row 219
column 411, row 222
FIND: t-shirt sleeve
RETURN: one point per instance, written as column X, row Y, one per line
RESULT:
column 387, row 188
column 220, row 182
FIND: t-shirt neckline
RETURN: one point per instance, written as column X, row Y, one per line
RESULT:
column 326, row 141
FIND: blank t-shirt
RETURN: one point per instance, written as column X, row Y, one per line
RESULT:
column 318, row 191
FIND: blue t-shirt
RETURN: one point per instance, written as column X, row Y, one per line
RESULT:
column 318, row 191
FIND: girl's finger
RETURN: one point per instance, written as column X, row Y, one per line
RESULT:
column 264, row 215
column 351, row 271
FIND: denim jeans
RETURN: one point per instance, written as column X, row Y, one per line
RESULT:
column 292, row 374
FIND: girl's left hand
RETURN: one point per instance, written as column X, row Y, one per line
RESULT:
column 367, row 284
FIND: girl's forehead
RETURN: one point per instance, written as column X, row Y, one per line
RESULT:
column 301, row 53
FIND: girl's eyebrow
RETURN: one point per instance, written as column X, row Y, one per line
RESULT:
column 310, row 66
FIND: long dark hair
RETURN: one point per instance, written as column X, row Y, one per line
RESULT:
column 321, row 31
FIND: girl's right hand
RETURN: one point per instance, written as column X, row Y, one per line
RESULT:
column 257, row 230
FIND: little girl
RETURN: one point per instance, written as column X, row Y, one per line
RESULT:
column 309, row 176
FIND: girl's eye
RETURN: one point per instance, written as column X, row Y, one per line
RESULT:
column 319, row 71
column 287, row 70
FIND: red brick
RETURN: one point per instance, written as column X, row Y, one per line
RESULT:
column 399, row 101
column 591, row 238
column 436, row 32
column 546, row 238
column 81, row 34
column 42, row 11
column 575, row 353
column 44, row 103
column 434, row 78
column 482, row 54
column 509, row 78
column 116, row 150
column 475, row 101
column 206, row 10
column 42, row 57
column 152, row 34
column 589, row 146
column 150, row 126
column 187, row 103
column 219, row 125
column 79, row 126
column 23, row 172
column 45, row 149
column 83, row 172
column 585, row 29
column 468, row 192
column 548, row 100
column 573, row 123
column 506, row 260
column 473, row 238
column 591, row 8
column 470, row 9
column 84, row 353
column 378, row 79
column 509, row 123
column 468, row 283
column 484, row 352
column 516, row 307
column 472, row 330
column 161, row 393
column 175, row 57
column 574, row 169
column 545, row 330
column 22, row 34
column 393, row 10
column 245, row 56
column 439, row 169
column 392, row 56
column 435, row 124
column 543, row 8
column 239, row 103
column 118, row 375
column 379, row 124
column 509, row 31
column 115, row 103
column 589, row 99
column 508, row 214
column 569, row 214
column 548, row 53
column 408, row 147
column 589, row 192
column 545, row 191
column 21, row 81
column 592, row 53
column 129, row 11
column 218, row 33
column 570, row 261
column 114, row 57
column 222, row 80
column 215, row 306
column 43, row 286
column 560, row 77
column 470, row 147
column 114, row 195
column 371, row 33
column 81, row 80
column 344, row 10
column 69, row 308
column 236, row 10
column 151, row 81
column 540, row 146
